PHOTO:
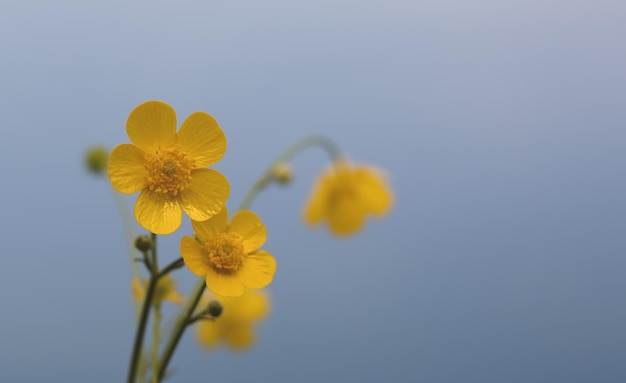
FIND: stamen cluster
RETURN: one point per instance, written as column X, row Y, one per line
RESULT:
column 169, row 170
column 226, row 252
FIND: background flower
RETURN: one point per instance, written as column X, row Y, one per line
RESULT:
column 165, row 290
column 235, row 326
column 345, row 194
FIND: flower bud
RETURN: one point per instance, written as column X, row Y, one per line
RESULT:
column 143, row 243
column 96, row 160
column 282, row 173
column 215, row 309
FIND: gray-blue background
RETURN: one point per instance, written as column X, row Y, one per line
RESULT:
column 503, row 127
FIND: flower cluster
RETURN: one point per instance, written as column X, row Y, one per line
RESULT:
column 170, row 170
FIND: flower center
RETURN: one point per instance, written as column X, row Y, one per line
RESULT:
column 226, row 252
column 340, row 193
column 169, row 171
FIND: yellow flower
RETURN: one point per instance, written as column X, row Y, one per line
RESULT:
column 235, row 326
column 227, row 255
column 165, row 290
column 169, row 168
column 345, row 195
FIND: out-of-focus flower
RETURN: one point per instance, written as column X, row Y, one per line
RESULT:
column 227, row 254
column 345, row 194
column 96, row 160
column 169, row 168
column 235, row 326
column 165, row 290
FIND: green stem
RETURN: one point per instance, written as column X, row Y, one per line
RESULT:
column 129, row 233
column 155, row 342
column 141, row 329
column 183, row 318
column 145, row 313
column 179, row 327
column 321, row 141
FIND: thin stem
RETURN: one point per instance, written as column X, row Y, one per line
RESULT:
column 155, row 342
column 179, row 327
column 145, row 313
column 129, row 233
column 141, row 329
column 177, row 264
column 325, row 143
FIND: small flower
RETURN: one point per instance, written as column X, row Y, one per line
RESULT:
column 235, row 326
column 169, row 168
column 227, row 255
column 345, row 195
column 165, row 290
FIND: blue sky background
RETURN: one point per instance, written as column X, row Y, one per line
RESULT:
column 502, row 126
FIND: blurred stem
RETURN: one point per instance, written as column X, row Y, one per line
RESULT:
column 185, row 315
column 155, row 342
column 320, row 141
column 129, row 233
column 156, row 322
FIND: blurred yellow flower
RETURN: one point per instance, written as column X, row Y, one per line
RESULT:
column 235, row 326
column 345, row 194
column 227, row 254
column 165, row 290
column 169, row 168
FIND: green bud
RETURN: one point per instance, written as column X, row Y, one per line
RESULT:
column 143, row 243
column 282, row 173
column 215, row 309
column 97, row 159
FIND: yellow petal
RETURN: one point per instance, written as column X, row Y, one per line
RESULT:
column 138, row 289
column 202, row 138
column 347, row 217
column 316, row 206
column 208, row 334
column 174, row 297
column 206, row 194
column 152, row 125
column 158, row 212
column 257, row 270
column 196, row 256
column 374, row 192
column 126, row 169
column 207, row 230
column 249, row 226
column 240, row 337
column 254, row 305
column 227, row 285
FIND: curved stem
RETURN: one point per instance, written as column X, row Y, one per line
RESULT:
column 321, row 141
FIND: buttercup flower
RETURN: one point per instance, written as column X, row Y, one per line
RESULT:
column 227, row 255
column 345, row 194
column 165, row 290
column 169, row 168
column 235, row 326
